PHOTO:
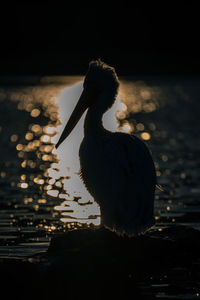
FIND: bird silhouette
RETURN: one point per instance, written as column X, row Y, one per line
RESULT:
column 116, row 168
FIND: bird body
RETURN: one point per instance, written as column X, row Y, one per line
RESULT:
column 116, row 168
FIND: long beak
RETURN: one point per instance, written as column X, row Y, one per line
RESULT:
column 82, row 105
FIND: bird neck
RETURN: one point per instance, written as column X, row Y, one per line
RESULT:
column 93, row 124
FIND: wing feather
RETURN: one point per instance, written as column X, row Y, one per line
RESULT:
column 135, row 180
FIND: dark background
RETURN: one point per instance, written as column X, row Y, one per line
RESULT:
column 40, row 38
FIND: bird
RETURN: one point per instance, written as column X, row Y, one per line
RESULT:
column 117, row 168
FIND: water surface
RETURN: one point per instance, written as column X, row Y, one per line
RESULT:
column 41, row 193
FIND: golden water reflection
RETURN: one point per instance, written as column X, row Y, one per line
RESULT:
column 58, row 175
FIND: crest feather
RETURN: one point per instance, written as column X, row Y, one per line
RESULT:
column 102, row 73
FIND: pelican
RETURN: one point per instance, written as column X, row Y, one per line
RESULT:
column 116, row 168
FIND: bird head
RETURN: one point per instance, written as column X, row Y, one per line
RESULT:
column 100, row 79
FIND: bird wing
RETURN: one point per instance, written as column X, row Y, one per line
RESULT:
column 134, row 185
column 133, row 157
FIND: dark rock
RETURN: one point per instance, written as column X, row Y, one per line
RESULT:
column 89, row 262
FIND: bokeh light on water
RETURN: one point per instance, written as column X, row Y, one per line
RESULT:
column 41, row 192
